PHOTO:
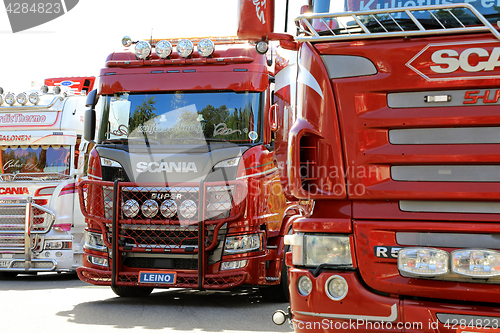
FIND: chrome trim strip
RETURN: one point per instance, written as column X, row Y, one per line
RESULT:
column 450, row 136
column 446, row 173
column 391, row 318
column 448, row 240
column 479, row 207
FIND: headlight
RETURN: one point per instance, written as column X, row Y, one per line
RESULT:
column 130, row 208
column 163, row 49
column 168, row 208
column 421, row 261
column 57, row 245
column 188, row 209
column 97, row 261
column 243, row 243
column 94, row 241
column 478, row 263
column 233, row 265
column 110, row 163
column 315, row 250
column 142, row 49
column 232, row 162
column 185, row 48
column 206, row 47
column 21, row 98
column 150, row 208
column 10, row 99
column 34, row 98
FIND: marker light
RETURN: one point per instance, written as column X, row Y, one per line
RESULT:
column 261, row 47
column 478, row 263
column 304, row 285
column 142, row 50
column 417, row 261
column 206, row 47
column 34, row 98
column 168, row 208
column 10, row 99
column 163, row 49
column 185, row 48
column 126, row 41
column 130, row 208
column 188, row 209
column 336, row 287
column 150, row 208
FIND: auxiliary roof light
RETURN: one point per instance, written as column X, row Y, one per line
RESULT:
column 126, row 41
column 1, row 99
column 163, row 49
column 57, row 90
column 45, row 89
column 1, row 91
column 185, row 48
column 21, row 98
column 10, row 99
column 142, row 49
column 34, row 98
column 206, row 47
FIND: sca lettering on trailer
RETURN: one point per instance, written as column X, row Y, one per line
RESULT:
column 258, row 11
column 14, row 190
column 457, row 61
column 166, row 167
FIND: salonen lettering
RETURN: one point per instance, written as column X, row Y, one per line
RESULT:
column 166, row 167
column 453, row 60
column 14, row 190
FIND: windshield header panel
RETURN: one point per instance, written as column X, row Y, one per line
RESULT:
column 182, row 118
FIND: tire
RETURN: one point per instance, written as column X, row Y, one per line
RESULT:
column 8, row 275
column 131, row 291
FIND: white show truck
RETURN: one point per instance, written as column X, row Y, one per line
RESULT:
column 42, row 159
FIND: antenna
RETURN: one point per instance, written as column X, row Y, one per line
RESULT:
column 151, row 41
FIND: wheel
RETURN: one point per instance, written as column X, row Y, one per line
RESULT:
column 8, row 275
column 130, row 291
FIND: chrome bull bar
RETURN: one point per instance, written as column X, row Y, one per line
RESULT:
column 28, row 232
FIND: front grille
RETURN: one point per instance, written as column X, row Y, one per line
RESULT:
column 161, row 263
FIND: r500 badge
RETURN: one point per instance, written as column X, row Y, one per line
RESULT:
column 386, row 251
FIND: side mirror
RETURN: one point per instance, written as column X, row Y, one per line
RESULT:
column 89, row 125
column 91, row 99
column 273, row 117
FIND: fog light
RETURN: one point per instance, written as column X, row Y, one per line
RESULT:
column 163, row 49
column 142, row 49
column 185, row 48
column 22, row 98
column 476, row 263
column 47, row 254
column 150, row 208
column 168, row 208
column 233, row 265
column 10, row 99
column 279, row 317
column 59, row 254
column 423, row 262
column 188, row 209
column 336, row 287
column 131, row 208
column 304, row 285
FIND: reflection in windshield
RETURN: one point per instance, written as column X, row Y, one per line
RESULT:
column 182, row 118
column 35, row 159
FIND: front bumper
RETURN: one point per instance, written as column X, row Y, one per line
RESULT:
column 363, row 310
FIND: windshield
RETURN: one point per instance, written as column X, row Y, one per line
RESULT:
column 35, row 159
column 488, row 8
column 182, row 118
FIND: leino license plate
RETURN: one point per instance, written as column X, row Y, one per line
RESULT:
column 157, row 277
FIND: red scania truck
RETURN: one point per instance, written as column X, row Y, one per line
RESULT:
column 42, row 156
column 183, row 190
column 389, row 118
